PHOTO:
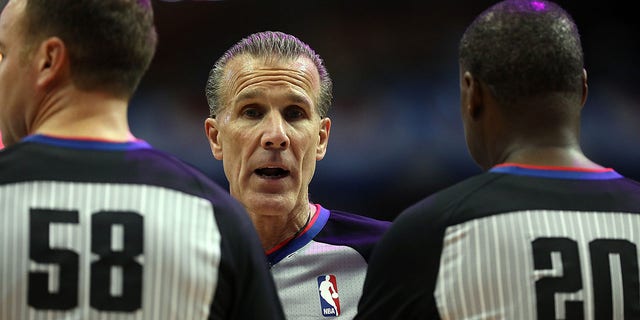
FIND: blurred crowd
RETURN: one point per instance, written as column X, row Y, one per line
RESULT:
column 396, row 134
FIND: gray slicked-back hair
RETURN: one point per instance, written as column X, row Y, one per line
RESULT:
column 267, row 44
column 521, row 48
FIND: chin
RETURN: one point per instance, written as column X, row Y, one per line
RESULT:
column 269, row 204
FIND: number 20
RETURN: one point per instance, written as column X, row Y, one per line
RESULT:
column 100, row 297
column 571, row 279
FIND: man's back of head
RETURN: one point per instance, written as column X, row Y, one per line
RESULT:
column 524, row 49
column 110, row 43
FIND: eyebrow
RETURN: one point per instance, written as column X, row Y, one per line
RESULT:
column 249, row 95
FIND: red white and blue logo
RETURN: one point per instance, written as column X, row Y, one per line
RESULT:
column 329, row 298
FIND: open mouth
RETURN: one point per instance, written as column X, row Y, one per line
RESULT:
column 272, row 173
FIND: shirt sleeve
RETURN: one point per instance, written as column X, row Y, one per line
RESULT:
column 402, row 271
column 246, row 289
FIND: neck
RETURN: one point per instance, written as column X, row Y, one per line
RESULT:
column 274, row 230
column 550, row 156
column 75, row 113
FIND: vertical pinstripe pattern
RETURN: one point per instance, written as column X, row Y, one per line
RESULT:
column 487, row 269
column 583, row 232
column 295, row 276
column 180, row 257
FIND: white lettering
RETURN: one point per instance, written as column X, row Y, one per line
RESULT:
column 328, row 311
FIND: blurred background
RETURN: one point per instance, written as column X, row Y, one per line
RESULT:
column 396, row 134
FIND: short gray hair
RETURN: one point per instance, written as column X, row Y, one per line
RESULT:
column 268, row 44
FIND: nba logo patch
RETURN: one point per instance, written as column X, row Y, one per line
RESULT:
column 329, row 298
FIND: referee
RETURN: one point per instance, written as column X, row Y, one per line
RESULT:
column 544, row 233
column 95, row 224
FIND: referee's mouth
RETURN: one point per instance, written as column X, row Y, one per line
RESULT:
column 272, row 172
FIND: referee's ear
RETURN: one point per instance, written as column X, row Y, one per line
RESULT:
column 51, row 59
column 472, row 96
column 325, row 129
column 211, row 130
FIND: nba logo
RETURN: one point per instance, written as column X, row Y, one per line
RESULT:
column 329, row 299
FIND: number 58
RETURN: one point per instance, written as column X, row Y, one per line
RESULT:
column 68, row 261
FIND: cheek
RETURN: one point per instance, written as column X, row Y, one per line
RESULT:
column 305, row 143
column 474, row 141
column 232, row 152
column 468, row 134
column 237, row 147
column 309, row 152
column 233, row 140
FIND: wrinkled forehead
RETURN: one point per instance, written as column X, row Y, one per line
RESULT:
column 247, row 61
column 246, row 70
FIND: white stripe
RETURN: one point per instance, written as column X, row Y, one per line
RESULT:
column 495, row 248
column 587, row 292
column 462, row 297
